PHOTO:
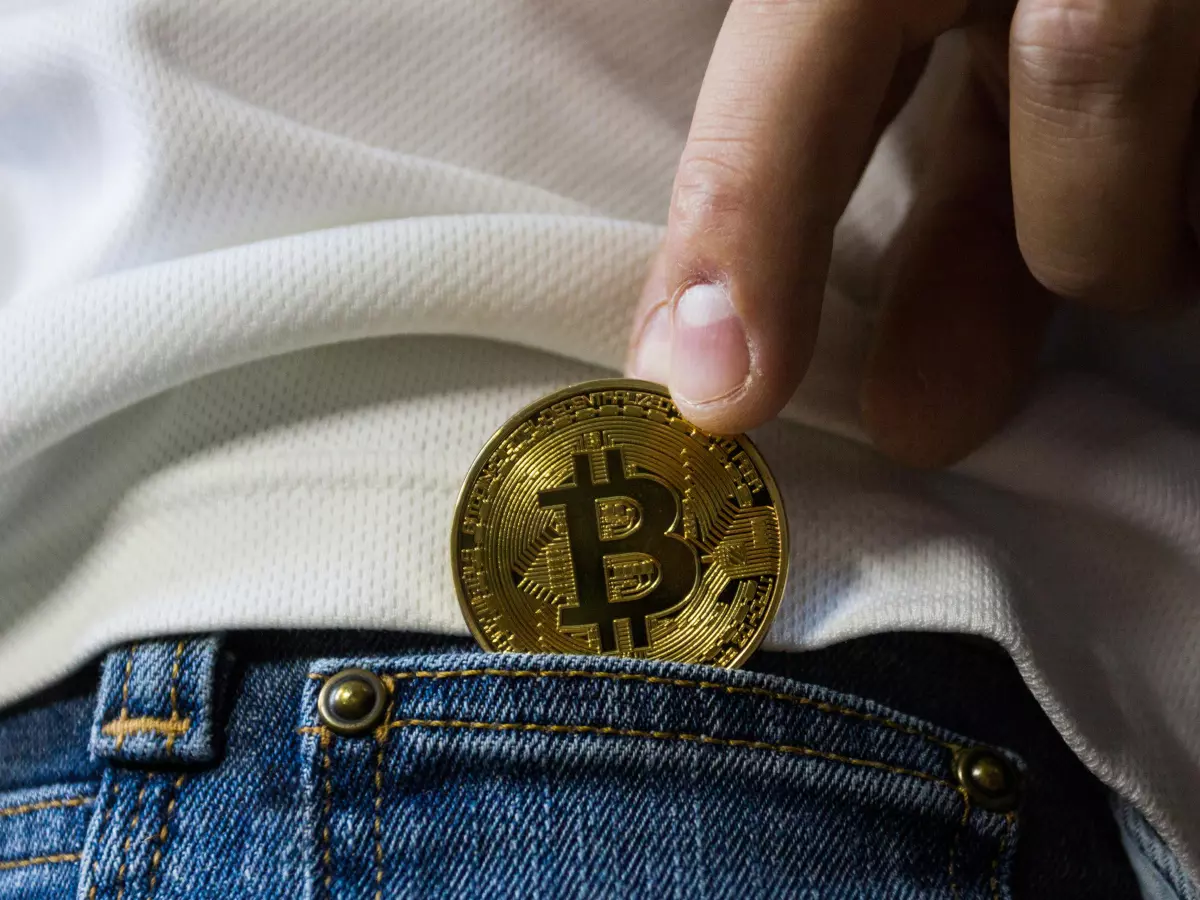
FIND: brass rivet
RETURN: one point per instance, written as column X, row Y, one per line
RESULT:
column 352, row 701
column 989, row 779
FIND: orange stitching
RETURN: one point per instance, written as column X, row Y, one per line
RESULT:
column 122, row 727
column 162, row 834
column 175, row 695
column 381, row 736
column 682, row 682
column 39, row 860
column 133, row 824
column 658, row 735
column 44, row 804
column 103, row 827
column 954, row 892
column 1008, row 824
column 667, row 736
column 125, row 691
column 378, row 825
column 327, row 856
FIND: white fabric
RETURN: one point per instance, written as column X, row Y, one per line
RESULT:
column 271, row 271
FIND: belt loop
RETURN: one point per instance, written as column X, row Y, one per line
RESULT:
column 156, row 702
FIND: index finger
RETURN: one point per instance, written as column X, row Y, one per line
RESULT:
column 782, row 128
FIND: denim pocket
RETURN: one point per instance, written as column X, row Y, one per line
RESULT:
column 42, row 833
column 527, row 776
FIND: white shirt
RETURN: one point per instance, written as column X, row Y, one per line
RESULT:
column 271, row 272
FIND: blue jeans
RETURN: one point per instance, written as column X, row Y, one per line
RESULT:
column 200, row 768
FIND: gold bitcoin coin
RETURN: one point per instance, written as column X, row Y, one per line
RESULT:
column 600, row 521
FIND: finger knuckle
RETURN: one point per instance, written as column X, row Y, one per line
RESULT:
column 711, row 187
column 1087, row 46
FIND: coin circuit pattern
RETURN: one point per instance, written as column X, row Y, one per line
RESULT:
column 600, row 521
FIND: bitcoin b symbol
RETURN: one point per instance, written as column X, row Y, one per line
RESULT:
column 599, row 520
column 605, row 556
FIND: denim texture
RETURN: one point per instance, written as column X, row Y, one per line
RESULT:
column 503, row 776
column 1070, row 844
column 41, row 833
column 158, row 702
column 44, row 741
column 569, row 777
column 1158, row 871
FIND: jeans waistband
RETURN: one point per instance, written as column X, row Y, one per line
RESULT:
column 156, row 703
column 156, row 751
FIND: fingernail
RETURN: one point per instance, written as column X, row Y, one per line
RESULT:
column 709, row 355
column 652, row 358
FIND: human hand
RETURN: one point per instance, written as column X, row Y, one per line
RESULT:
column 1065, row 170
